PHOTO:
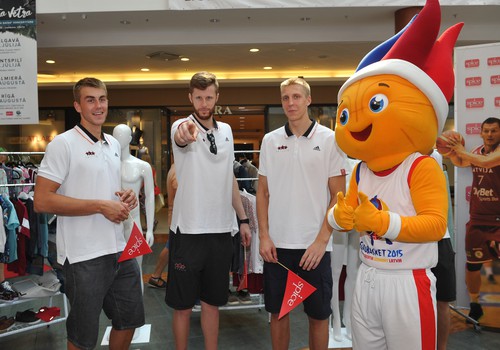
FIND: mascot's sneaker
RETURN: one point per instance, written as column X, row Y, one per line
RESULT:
column 476, row 311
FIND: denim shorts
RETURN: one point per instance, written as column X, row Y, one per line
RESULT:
column 102, row 284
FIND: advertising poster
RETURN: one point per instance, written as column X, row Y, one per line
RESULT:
column 18, row 63
column 477, row 97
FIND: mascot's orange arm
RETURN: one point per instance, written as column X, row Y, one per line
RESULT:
column 430, row 199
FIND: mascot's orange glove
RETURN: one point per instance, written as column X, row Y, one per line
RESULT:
column 368, row 218
column 341, row 216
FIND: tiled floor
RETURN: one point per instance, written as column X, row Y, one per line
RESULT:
column 239, row 329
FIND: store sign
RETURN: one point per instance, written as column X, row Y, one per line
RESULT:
column 18, row 63
column 219, row 110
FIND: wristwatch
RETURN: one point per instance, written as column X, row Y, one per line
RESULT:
column 245, row 221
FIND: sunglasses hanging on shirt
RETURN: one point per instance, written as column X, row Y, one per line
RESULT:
column 213, row 146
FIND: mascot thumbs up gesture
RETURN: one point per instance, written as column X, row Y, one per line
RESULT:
column 389, row 115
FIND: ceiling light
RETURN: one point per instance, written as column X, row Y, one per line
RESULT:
column 214, row 20
column 305, row 19
column 254, row 50
column 185, row 59
column 50, row 61
column 63, row 16
column 268, row 68
column 125, row 22
column 84, row 16
column 145, row 69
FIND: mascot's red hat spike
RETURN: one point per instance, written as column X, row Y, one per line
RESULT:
column 418, row 57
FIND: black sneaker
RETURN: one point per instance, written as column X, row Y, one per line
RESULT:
column 232, row 298
column 476, row 311
column 491, row 279
column 244, row 297
column 27, row 316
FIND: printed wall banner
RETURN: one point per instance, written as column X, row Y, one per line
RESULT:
column 18, row 63
column 235, row 4
column 476, row 98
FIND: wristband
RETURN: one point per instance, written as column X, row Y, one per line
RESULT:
column 245, row 221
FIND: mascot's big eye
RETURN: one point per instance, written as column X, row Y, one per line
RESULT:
column 378, row 103
column 344, row 116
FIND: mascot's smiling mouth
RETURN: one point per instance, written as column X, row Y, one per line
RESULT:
column 362, row 135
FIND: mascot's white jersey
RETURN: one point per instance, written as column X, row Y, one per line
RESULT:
column 392, row 193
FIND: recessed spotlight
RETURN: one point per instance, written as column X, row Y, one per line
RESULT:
column 291, row 50
column 63, row 17
column 84, row 16
column 214, row 20
column 145, row 69
column 305, row 19
column 254, row 50
column 185, row 59
column 50, row 61
column 125, row 22
column 268, row 68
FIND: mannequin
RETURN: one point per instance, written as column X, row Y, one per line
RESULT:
column 135, row 174
column 345, row 251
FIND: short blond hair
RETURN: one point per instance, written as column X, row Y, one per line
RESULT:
column 297, row 81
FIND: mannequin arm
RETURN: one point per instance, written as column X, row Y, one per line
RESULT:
column 149, row 192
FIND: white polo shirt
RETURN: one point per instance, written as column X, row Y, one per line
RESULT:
column 297, row 172
column 203, row 201
column 87, row 169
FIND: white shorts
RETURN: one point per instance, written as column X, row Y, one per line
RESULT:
column 394, row 309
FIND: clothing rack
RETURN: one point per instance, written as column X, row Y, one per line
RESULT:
column 20, row 327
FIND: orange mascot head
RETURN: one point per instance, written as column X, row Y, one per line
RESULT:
column 396, row 102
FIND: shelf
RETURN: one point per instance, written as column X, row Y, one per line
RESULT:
column 257, row 303
column 20, row 327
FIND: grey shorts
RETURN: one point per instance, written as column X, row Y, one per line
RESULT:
column 102, row 284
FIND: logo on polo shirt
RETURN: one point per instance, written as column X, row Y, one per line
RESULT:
column 116, row 154
column 282, row 148
column 316, row 148
column 90, row 153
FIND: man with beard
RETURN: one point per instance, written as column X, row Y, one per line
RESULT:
column 203, row 218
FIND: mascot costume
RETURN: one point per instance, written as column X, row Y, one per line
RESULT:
column 389, row 115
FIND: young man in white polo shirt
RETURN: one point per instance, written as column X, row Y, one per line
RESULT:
column 203, row 217
column 301, row 169
column 79, row 180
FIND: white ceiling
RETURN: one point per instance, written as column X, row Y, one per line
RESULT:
column 322, row 44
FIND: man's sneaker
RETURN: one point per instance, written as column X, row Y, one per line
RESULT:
column 476, row 311
column 491, row 279
column 6, row 323
column 232, row 298
column 197, row 305
column 7, row 292
column 244, row 297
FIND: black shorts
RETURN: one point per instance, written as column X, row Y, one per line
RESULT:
column 198, row 268
column 446, row 286
column 318, row 304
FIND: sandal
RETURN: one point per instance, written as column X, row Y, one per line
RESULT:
column 157, row 282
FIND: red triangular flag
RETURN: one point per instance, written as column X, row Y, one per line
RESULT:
column 136, row 245
column 244, row 279
column 297, row 290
